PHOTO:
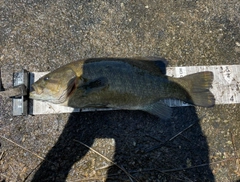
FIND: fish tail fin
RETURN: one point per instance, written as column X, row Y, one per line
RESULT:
column 198, row 85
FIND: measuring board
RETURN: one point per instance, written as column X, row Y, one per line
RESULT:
column 225, row 87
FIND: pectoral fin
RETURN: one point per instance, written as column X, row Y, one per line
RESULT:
column 159, row 109
column 94, row 85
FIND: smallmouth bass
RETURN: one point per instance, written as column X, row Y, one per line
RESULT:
column 119, row 83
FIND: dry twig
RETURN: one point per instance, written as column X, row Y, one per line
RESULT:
column 33, row 153
column 29, row 174
column 183, row 169
column 129, row 175
column 158, row 146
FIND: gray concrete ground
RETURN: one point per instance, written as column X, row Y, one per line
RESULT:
column 41, row 35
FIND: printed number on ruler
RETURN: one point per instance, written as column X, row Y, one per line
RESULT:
column 180, row 71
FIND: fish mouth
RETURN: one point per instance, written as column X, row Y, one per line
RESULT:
column 36, row 90
column 37, row 95
column 32, row 95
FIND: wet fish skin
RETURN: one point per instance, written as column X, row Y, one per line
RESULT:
column 133, row 84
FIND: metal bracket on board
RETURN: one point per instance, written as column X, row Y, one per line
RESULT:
column 20, row 102
column 18, row 93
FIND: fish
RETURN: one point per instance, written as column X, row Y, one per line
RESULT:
column 122, row 83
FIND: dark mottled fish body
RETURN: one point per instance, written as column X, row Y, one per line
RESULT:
column 123, row 84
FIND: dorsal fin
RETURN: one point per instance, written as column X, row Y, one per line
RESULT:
column 155, row 65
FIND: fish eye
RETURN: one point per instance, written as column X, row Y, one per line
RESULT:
column 46, row 78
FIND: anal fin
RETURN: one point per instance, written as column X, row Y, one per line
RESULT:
column 159, row 109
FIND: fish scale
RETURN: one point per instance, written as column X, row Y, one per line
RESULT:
column 135, row 84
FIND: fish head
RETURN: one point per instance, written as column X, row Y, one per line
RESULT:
column 55, row 87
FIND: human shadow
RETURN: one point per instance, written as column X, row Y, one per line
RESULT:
column 146, row 146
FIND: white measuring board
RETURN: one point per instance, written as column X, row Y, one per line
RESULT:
column 225, row 87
